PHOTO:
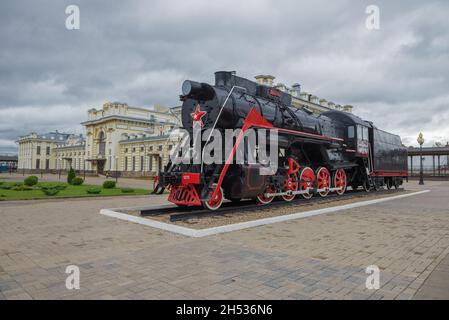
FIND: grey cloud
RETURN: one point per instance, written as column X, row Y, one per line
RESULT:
column 139, row 52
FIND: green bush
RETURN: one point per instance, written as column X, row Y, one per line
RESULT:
column 31, row 181
column 22, row 188
column 5, row 186
column 77, row 181
column 70, row 176
column 93, row 191
column 53, row 186
column 50, row 191
column 109, row 184
column 127, row 190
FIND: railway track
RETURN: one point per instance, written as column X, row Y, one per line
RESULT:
column 185, row 213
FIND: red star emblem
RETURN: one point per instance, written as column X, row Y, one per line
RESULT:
column 198, row 115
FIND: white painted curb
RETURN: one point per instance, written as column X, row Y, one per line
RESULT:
column 198, row 233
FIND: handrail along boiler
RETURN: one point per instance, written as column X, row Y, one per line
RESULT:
column 317, row 154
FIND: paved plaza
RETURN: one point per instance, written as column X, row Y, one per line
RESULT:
column 320, row 257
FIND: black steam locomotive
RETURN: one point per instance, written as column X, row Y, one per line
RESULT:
column 317, row 154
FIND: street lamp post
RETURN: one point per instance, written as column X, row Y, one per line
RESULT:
column 421, row 174
column 116, row 169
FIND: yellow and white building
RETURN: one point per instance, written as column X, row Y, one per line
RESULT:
column 119, row 138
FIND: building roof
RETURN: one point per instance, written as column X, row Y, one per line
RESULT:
column 429, row 151
column 8, row 158
column 145, row 138
column 127, row 118
column 50, row 136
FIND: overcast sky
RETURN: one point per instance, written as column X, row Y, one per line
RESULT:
column 139, row 52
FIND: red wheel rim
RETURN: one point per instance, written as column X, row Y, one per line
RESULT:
column 323, row 181
column 290, row 184
column 340, row 181
column 307, row 180
column 215, row 202
column 266, row 200
column 155, row 183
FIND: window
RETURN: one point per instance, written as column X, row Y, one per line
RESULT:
column 134, row 150
column 126, row 164
column 160, row 148
column 47, row 164
column 38, row 163
column 47, row 151
column 359, row 133
column 365, row 133
column 141, row 163
column 141, row 149
column 351, row 132
column 38, row 150
column 151, row 164
column 134, row 163
column 151, row 148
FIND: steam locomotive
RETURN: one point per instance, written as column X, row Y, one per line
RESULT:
column 317, row 154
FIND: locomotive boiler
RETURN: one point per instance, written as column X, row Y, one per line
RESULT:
column 316, row 154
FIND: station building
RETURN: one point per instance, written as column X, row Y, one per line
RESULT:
column 119, row 138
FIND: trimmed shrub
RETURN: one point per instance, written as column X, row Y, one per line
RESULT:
column 50, row 191
column 70, row 176
column 109, row 184
column 31, row 181
column 5, row 186
column 77, row 181
column 127, row 190
column 52, row 186
column 93, row 191
column 22, row 188
column 61, row 186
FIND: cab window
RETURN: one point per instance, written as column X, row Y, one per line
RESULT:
column 351, row 132
column 365, row 133
column 362, row 133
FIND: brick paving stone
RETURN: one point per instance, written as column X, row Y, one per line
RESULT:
column 321, row 257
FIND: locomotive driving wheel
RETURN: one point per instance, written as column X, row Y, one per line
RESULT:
column 262, row 199
column 307, row 181
column 291, row 184
column 340, row 181
column 215, row 202
column 323, row 181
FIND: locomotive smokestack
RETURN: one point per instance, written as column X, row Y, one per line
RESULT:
column 223, row 78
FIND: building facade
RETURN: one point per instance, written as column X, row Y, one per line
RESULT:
column 37, row 151
column 120, row 139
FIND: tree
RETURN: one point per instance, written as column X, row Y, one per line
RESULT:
column 71, row 175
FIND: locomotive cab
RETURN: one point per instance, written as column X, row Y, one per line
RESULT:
column 358, row 139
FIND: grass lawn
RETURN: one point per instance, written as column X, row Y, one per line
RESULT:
column 69, row 192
